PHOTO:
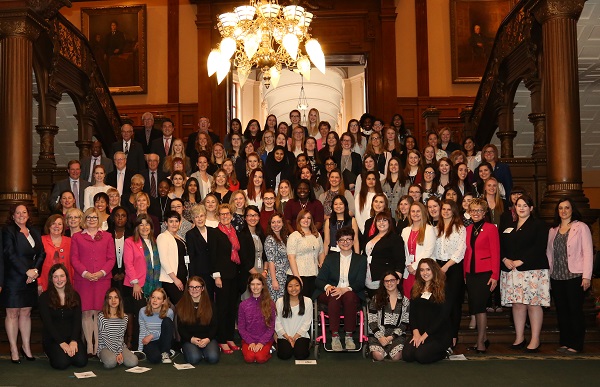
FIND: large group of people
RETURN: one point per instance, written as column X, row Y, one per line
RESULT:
column 173, row 246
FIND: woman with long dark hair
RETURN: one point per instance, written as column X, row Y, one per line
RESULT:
column 395, row 184
column 256, row 321
column 172, row 251
column 294, row 317
column 276, row 253
column 112, row 323
column 253, row 133
column 429, row 311
column 197, row 324
column 60, row 311
column 388, row 319
column 252, row 250
column 449, row 252
column 340, row 218
column 571, row 259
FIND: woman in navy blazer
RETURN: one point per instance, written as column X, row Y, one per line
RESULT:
column 481, row 267
column 23, row 259
column 571, row 260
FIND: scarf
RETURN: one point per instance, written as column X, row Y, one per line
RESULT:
column 152, row 269
column 373, row 228
column 233, row 239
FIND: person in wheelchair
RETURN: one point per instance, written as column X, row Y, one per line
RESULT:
column 388, row 319
column 340, row 284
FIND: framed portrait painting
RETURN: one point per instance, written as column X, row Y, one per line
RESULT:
column 473, row 27
column 118, row 39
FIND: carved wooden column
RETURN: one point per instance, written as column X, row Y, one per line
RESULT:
column 506, row 132
column 537, row 118
column 432, row 119
column 465, row 115
column 86, row 131
column 18, row 30
column 387, row 102
column 561, row 99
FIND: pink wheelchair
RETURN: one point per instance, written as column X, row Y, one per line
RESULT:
column 320, row 335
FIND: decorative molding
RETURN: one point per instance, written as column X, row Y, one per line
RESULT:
column 550, row 9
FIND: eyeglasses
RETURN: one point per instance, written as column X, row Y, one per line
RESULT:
column 479, row 211
column 429, row 173
column 91, row 218
column 390, row 281
column 345, row 240
column 224, row 213
column 199, row 287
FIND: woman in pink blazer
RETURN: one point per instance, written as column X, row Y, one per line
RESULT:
column 482, row 267
column 570, row 255
column 142, row 270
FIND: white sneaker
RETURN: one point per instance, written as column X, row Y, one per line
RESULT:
column 349, row 342
column 336, row 344
column 166, row 359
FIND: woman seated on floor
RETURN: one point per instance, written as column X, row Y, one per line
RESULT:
column 156, row 328
column 256, row 321
column 60, row 311
column 196, row 324
column 388, row 319
column 112, row 322
column 294, row 315
column 429, row 316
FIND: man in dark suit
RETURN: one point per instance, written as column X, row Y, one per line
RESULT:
column 148, row 134
column 162, row 146
column 203, row 127
column 133, row 149
column 341, row 285
column 73, row 183
column 120, row 178
column 115, row 40
column 89, row 162
column 152, row 176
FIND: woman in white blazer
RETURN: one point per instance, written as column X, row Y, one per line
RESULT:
column 570, row 255
column 419, row 242
column 174, row 259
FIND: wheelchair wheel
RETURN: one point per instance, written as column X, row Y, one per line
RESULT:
column 316, row 350
column 365, row 351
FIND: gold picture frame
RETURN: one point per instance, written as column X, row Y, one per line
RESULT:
column 473, row 28
column 118, row 39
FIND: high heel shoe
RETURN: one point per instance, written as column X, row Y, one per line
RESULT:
column 232, row 345
column 533, row 350
column 28, row 358
column 18, row 361
column 474, row 349
column 486, row 343
column 225, row 349
column 521, row 345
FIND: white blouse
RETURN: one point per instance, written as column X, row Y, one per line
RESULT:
column 452, row 248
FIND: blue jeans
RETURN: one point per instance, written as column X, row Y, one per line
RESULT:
column 194, row 354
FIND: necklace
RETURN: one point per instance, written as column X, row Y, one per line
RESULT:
column 162, row 208
column 477, row 229
column 303, row 205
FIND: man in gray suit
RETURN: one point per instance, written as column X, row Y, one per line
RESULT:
column 89, row 162
column 73, row 183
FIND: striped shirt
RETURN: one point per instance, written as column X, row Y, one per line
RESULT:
column 150, row 325
column 111, row 332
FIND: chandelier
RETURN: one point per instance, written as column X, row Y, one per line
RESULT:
column 267, row 36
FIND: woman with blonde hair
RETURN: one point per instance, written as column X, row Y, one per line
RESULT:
column 93, row 257
column 313, row 123
column 156, row 328
column 177, row 151
column 419, row 242
column 99, row 173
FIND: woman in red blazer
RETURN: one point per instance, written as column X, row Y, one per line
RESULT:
column 482, row 267
column 571, row 258
column 142, row 270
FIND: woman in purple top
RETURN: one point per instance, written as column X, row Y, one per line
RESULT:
column 256, row 321
column 93, row 258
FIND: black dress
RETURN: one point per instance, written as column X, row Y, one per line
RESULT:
column 19, row 257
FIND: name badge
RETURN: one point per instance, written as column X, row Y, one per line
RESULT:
column 426, row 295
column 259, row 264
column 186, row 259
column 411, row 257
column 369, row 259
column 508, row 230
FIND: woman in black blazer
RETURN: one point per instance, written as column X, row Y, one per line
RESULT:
column 23, row 259
column 349, row 172
column 384, row 251
column 252, row 252
column 197, row 243
column 224, row 248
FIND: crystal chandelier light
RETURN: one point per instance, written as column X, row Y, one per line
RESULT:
column 267, row 36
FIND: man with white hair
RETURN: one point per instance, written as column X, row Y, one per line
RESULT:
column 148, row 134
